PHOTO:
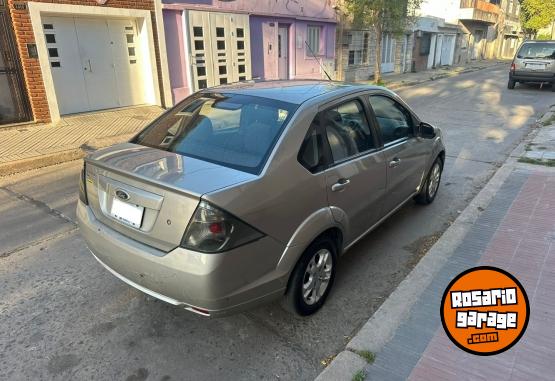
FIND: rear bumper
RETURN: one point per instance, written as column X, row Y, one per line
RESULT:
column 532, row 76
column 208, row 284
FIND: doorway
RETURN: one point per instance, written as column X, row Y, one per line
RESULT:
column 388, row 53
column 14, row 105
column 283, row 52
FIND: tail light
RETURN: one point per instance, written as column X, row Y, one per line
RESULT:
column 212, row 230
column 513, row 67
column 83, row 186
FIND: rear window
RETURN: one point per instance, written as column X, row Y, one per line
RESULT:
column 540, row 50
column 233, row 130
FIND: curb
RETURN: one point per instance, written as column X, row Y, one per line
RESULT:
column 47, row 160
column 13, row 167
column 396, row 86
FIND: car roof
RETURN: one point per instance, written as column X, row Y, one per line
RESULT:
column 538, row 41
column 292, row 91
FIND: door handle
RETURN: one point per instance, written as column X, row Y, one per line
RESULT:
column 340, row 185
column 394, row 163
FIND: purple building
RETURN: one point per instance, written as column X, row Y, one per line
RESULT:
column 213, row 42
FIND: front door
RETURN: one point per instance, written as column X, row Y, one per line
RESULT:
column 356, row 179
column 388, row 53
column 447, row 49
column 14, row 105
column 477, row 46
column 283, row 52
column 405, row 153
column 438, row 50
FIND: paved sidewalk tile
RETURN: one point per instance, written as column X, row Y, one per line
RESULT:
column 72, row 131
column 516, row 232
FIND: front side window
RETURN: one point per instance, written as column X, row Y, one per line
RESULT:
column 540, row 50
column 347, row 130
column 232, row 130
column 394, row 120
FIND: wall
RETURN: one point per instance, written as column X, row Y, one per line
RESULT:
column 364, row 72
column 313, row 9
column 175, row 47
column 31, row 67
column 298, row 15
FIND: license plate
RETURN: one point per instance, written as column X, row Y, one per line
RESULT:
column 535, row 66
column 127, row 213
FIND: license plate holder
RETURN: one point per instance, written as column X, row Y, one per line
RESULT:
column 535, row 66
column 129, row 214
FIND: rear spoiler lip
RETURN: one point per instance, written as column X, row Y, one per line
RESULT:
column 160, row 184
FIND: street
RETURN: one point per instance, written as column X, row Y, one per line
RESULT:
column 63, row 316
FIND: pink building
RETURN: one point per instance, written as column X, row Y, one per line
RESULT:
column 213, row 42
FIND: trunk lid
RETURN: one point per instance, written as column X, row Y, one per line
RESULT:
column 148, row 194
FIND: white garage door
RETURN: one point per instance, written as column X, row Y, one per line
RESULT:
column 95, row 63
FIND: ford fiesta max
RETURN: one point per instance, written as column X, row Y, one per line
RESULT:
column 247, row 193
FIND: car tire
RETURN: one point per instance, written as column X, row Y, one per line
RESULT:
column 317, row 263
column 429, row 192
column 511, row 84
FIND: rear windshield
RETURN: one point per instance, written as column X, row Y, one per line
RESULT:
column 232, row 130
column 540, row 50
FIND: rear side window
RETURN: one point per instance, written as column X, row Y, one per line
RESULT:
column 232, row 130
column 311, row 154
column 539, row 50
column 347, row 130
column 394, row 120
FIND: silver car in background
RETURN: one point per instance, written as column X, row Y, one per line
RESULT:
column 534, row 62
column 251, row 192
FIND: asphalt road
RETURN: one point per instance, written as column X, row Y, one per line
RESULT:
column 62, row 316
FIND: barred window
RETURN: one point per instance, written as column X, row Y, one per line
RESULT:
column 358, row 47
column 313, row 39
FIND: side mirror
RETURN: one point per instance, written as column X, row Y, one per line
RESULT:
column 427, row 131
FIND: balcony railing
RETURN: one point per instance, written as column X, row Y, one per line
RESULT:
column 479, row 10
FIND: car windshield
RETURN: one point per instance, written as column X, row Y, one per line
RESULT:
column 543, row 50
column 232, row 130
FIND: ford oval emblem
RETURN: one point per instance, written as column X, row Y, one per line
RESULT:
column 123, row 195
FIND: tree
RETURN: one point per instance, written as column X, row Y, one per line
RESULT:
column 536, row 14
column 392, row 16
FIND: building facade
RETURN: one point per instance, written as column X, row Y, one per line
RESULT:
column 436, row 43
column 214, row 42
column 510, row 30
column 478, row 21
column 81, row 55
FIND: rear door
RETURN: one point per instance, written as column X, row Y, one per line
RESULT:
column 356, row 178
column 405, row 153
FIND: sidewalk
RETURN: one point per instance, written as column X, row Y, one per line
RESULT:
column 510, row 225
column 398, row 81
column 31, row 146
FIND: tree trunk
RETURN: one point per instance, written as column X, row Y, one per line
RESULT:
column 378, row 55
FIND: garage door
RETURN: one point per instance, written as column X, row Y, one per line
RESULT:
column 95, row 63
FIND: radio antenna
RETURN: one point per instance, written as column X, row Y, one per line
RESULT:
column 317, row 60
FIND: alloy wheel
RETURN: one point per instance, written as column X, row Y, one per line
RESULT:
column 317, row 276
column 435, row 176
